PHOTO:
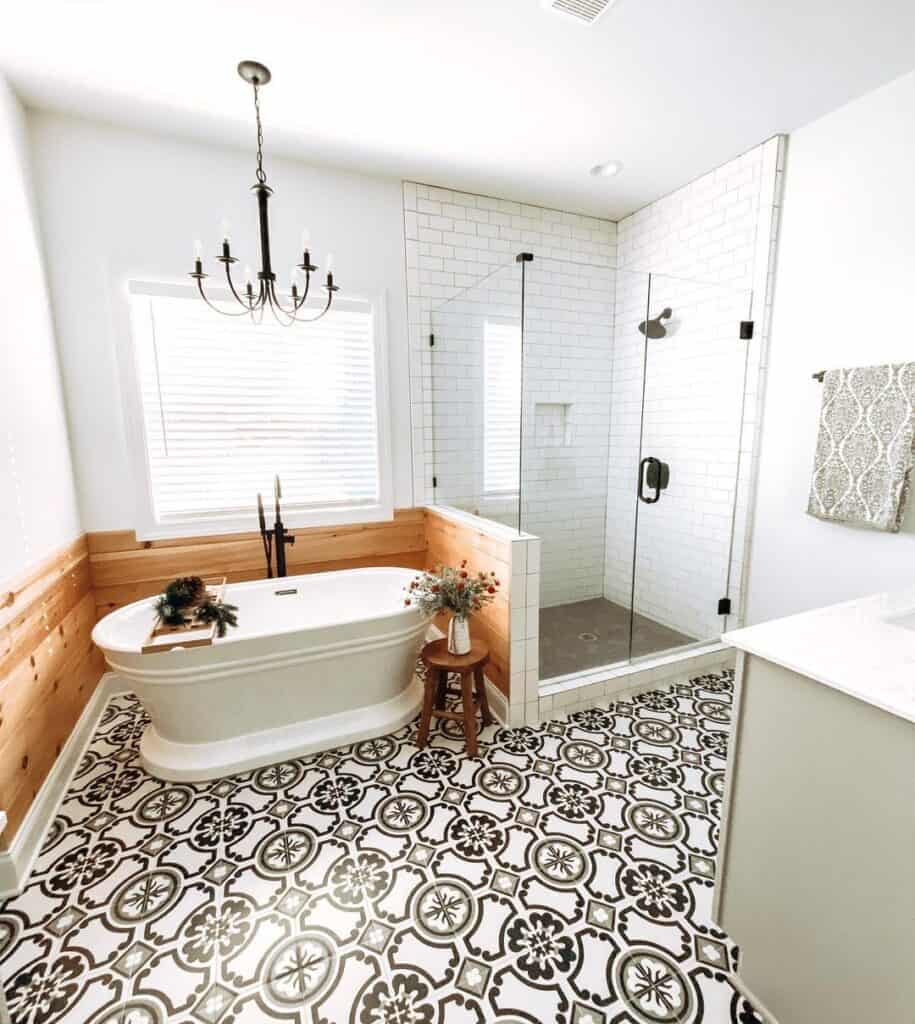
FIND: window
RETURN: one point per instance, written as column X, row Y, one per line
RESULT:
column 220, row 405
column 501, row 407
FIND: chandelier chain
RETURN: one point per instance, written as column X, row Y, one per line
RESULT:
column 257, row 294
column 261, row 176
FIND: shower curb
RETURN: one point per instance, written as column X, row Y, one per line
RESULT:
column 581, row 690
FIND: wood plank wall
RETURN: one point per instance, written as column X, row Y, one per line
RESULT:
column 49, row 669
column 448, row 543
column 125, row 569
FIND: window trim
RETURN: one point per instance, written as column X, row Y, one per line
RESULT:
column 147, row 527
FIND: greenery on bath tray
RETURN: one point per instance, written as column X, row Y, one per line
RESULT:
column 186, row 601
column 220, row 613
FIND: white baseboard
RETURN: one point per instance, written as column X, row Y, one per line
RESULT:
column 498, row 703
column 16, row 861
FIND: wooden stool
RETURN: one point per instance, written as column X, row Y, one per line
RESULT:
column 439, row 663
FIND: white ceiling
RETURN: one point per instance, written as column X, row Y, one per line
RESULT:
column 493, row 96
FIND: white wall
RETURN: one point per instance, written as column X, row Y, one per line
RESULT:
column 843, row 297
column 117, row 205
column 38, row 509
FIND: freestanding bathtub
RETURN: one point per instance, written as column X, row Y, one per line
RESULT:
column 315, row 662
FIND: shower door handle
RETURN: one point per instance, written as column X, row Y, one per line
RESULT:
column 655, row 474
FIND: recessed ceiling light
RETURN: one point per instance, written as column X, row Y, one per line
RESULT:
column 607, row 170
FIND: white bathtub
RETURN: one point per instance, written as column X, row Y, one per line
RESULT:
column 330, row 663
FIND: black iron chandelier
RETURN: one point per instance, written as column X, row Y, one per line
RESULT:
column 255, row 301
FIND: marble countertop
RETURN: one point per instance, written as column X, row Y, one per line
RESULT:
column 865, row 648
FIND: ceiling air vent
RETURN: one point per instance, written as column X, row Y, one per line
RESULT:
column 585, row 12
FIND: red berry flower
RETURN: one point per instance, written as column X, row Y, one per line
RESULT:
column 455, row 589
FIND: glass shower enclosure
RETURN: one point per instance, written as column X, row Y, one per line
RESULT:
column 601, row 410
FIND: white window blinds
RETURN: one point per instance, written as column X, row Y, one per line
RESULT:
column 226, row 404
column 501, row 407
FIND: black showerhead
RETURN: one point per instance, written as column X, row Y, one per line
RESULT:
column 654, row 328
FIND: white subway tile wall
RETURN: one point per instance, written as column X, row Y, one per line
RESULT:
column 568, row 317
column 709, row 247
column 454, row 240
column 525, row 628
column 699, row 381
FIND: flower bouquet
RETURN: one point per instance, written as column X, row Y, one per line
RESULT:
column 458, row 591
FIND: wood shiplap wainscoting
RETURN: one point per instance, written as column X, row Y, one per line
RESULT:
column 449, row 542
column 49, row 669
column 125, row 569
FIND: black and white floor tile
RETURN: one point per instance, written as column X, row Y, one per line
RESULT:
column 564, row 876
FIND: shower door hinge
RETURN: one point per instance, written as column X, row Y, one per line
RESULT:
column 435, row 481
column 746, row 330
column 431, row 341
column 724, row 606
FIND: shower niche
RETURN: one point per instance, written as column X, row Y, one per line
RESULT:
column 600, row 409
column 553, row 424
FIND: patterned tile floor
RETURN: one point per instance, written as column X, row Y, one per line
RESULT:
column 564, row 875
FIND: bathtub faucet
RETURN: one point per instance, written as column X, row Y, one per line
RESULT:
column 281, row 539
column 278, row 537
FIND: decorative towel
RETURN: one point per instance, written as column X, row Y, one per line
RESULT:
column 864, row 448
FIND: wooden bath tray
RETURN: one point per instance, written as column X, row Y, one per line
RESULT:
column 194, row 634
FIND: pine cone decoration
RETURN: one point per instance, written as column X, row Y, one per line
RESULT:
column 185, row 591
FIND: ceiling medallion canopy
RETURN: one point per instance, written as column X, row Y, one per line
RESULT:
column 254, row 300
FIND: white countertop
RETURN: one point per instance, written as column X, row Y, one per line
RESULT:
column 865, row 648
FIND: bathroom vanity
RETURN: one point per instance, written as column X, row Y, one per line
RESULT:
column 816, row 879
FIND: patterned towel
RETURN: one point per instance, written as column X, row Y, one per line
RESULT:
column 864, row 448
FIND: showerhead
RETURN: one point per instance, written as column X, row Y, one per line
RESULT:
column 654, row 328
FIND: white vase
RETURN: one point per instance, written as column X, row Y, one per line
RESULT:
column 458, row 635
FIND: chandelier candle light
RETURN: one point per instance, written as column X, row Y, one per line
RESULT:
column 255, row 301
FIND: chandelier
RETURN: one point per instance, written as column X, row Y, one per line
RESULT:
column 254, row 300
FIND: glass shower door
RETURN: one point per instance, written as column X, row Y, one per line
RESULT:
column 581, row 406
column 694, row 371
column 474, row 362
